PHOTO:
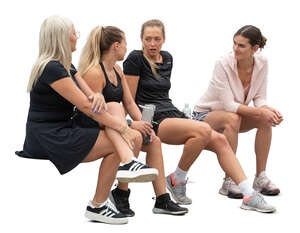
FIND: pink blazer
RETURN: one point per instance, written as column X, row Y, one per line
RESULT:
column 225, row 91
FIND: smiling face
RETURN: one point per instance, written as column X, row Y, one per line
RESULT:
column 242, row 48
column 152, row 40
column 73, row 39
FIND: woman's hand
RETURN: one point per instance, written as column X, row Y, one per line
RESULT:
column 98, row 102
column 129, row 135
column 278, row 118
column 269, row 118
column 152, row 135
column 142, row 126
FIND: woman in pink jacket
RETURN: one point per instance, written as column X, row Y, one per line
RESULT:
column 239, row 78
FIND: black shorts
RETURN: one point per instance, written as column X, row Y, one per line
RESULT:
column 160, row 116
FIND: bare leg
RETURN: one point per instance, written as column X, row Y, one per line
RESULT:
column 262, row 141
column 119, row 143
column 153, row 159
column 228, row 123
column 193, row 134
column 226, row 157
column 103, row 148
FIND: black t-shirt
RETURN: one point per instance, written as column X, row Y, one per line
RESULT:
column 46, row 105
column 151, row 89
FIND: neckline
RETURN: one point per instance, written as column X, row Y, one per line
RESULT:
column 106, row 76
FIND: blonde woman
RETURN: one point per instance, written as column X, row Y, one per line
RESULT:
column 106, row 46
column 51, row 132
column 239, row 78
column 148, row 73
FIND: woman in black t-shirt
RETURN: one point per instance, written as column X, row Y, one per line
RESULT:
column 148, row 74
column 51, row 132
column 104, row 47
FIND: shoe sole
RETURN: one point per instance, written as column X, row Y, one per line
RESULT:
column 162, row 211
column 270, row 192
column 246, row 207
column 231, row 194
column 174, row 196
column 111, row 198
column 137, row 176
column 100, row 218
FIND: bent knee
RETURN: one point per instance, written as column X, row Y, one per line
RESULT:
column 156, row 141
column 219, row 139
column 233, row 121
column 204, row 132
column 114, row 107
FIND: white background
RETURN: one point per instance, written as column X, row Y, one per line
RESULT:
column 35, row 198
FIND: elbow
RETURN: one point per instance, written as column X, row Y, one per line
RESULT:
column 231, row 107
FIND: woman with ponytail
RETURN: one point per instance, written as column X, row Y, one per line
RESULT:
column 148, row 72
column 104, row 47
column 51, row 132
column 239, row 78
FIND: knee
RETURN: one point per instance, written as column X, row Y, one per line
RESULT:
column 220, row 140
column 115, row 107
column 233, row 122
column 204, row 133
column 155, row 141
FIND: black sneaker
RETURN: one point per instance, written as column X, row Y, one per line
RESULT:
column 164, row 205
column 105, row 213
column 120, row 198
column 136, row 172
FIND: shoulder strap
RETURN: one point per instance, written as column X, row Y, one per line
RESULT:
column 104, row 72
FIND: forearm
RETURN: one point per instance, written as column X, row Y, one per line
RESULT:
column 244, row 110
column 104, row 118
column 134, row 111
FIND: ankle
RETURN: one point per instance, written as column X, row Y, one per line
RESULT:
column 96, row 203
column 126, row 161
column 163, row 198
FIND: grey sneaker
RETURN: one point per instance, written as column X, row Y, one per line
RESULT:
column 230, row 189
column 264, row 185
column 257, row 202
column 178, row 190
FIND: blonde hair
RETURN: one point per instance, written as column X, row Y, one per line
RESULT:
column 153, row 23
column 99, row 41
column 54, row 44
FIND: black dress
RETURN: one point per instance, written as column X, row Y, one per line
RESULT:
column 51, row 132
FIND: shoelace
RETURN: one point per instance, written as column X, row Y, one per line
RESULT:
column 260, row 199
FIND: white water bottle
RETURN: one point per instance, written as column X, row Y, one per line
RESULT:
column 187, row 110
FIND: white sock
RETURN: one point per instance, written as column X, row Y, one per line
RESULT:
column 99, row 204
column 263, row 173
column 180, row 175
column 245, row 188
